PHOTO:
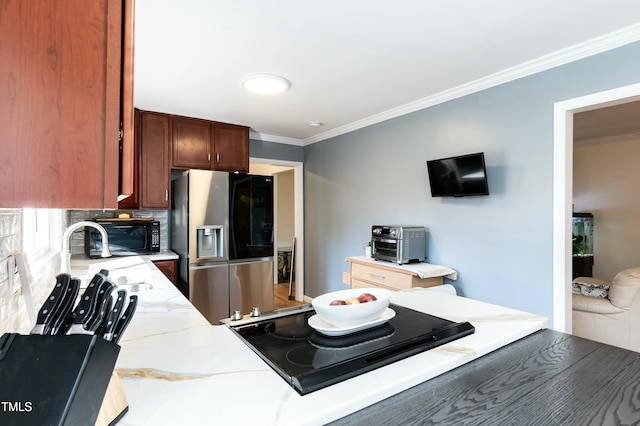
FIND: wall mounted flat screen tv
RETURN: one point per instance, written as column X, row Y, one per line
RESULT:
column 460, row 176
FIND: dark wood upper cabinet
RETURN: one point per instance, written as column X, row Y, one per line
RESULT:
column 166, row 141
column 230, row 147
column 152, row 171
column 133, row 200
column 155, row 175
column 209, row 145
column 128, row 155
column 191, row 143
column 63, row 83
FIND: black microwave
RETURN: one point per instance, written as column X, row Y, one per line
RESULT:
column 128, row 237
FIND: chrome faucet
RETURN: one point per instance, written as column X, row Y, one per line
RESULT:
column 66, row 251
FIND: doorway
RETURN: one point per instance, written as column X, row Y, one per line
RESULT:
column 292, row 239
column 563, row 192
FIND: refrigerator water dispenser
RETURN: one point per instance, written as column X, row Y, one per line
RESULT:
column 210, row 241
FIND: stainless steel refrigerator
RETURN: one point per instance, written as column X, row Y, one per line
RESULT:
column 222, row 230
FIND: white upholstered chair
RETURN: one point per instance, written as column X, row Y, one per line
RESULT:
column 615, row 319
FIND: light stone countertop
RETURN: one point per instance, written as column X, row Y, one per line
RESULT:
column 176, row 368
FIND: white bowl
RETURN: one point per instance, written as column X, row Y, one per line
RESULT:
column 351, row 315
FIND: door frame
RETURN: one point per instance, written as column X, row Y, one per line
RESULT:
column 298, row 207
column 563, row 191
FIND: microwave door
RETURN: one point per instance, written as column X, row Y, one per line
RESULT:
column 124, row 240
column 131, row 239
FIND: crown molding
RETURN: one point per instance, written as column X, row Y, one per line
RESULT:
column 582, row 50
column 274, row 138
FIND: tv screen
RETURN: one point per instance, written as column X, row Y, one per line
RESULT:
column 460, row 176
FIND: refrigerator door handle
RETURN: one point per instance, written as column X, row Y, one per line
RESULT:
column 207, row 266
column 253, row 260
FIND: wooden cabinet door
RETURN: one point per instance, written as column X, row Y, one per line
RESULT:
column 60, row 104
column 191, row 143
column 231, row 148
column 128, row 153
column 168, row 268
column 154, row 161
column 133, row 200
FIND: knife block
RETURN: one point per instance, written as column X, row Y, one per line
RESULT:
column 54, row 380
column 114, row 404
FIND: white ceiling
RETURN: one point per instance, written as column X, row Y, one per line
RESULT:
column 357, row 62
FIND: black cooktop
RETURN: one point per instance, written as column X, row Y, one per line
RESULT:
column 309, row 360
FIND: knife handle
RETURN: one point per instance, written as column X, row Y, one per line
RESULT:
column 102, row 304
column 113, row 315
column 124, row 320
column 87, row 304
column 51, row 305
column 62, row 314
column 103, row 323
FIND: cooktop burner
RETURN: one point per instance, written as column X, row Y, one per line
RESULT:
column 309, row 360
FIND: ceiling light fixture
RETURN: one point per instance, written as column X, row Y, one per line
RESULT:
column 266, row 84
column 315, row 124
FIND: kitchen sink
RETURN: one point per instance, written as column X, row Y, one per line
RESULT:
column 132, row 283
column 136, row 287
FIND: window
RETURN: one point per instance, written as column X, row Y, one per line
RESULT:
column 41, row 232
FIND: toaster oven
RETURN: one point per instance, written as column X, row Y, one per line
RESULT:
column 399, row 243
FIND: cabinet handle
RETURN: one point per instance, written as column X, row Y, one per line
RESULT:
column 208, row 156
column 382, row 277
column 166, row 195
column 217, row 157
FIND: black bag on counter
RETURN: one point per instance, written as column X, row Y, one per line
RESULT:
column 54, row 380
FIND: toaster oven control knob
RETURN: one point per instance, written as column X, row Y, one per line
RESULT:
column 393, row 232
column 236, row 316
column 255, row 312
column 376, row 231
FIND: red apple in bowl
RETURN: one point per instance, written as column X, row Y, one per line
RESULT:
column 366, row 297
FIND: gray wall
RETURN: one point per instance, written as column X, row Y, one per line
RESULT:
column 501, row 245
column 275, row 151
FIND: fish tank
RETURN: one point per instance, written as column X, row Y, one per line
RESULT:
column 582, row 242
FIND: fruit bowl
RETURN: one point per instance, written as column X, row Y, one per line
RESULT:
column 349, row 315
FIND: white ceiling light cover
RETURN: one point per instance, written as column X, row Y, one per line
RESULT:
column 266, row 84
